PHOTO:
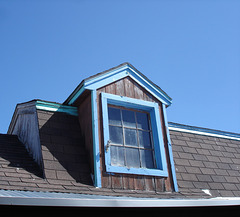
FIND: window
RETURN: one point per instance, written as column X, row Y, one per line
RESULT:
column 132, row 136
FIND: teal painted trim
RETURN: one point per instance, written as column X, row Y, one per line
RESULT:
column 54, row 107
column 107, row 78
column 76, row 95
column 116, row 74
column 174, row 177
column 96, row 152
column 161, row 96
column 150, row 107
column 203, row 131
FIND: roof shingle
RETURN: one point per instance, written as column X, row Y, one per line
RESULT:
column 206, row 162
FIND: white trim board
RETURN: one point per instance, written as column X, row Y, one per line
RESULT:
column 203, row 131
column 26, row 198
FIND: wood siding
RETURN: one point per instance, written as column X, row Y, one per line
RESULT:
column 129, row 88
column 85, row 121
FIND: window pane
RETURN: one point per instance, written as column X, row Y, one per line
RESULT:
column 144, row 139
column 130, row 137
column 116, row 135
column 132, row 157
column 114, row 116
column 128, row 118
column 117, row 156
column 142, row 121
column 146, row 159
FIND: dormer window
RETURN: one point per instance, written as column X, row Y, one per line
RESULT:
column 123, row 121
column 132, row 136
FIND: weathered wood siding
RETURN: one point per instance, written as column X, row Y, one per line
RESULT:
column 129, row 88
column 85, row 121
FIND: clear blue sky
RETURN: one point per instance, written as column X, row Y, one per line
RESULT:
column 191, row 49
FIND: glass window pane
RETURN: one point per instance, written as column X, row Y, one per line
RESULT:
column 132, row 157
column 146, row 159
column 128, row 118
column 142, row 121
column 114, row 116
column 144, row 139
column 130, row 137
column 116, row 135
column 117, row 155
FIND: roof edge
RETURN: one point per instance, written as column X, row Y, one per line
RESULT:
column 130, row 70
column 26, row 198
column 203, row 131
column 56, row 107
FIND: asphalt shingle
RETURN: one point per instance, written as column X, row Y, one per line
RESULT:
column 210, row 162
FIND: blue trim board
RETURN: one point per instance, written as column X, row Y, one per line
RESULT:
column 110, row 76
column 96, row 151
column 170, row 149
column 203, row 131
column 55, row 107
column 150, row 107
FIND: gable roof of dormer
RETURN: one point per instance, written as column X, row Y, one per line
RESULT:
column 124, row 70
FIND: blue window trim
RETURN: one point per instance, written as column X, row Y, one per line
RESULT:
column 153, row 110
column 96, row 151
column 174, row 177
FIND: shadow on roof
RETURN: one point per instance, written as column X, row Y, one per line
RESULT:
column 14, row 157
column 64, row 153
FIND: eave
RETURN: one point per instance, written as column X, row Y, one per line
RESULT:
column 124, row 70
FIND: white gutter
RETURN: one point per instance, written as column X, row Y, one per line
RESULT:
column 81, row 200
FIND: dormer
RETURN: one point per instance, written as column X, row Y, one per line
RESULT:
column 122, row 116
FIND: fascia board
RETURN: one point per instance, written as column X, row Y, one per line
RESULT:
column 76, row 95
column 54, row 107
column 161, row 96
column 105, row 78
column 117, row 74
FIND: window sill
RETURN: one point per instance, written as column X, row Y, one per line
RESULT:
column 137, row 171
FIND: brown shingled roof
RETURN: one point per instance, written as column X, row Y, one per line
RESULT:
column 206, row 162
column 202, row 163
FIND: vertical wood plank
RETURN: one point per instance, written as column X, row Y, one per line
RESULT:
column 125, row 181
column 138, row 92
column 129, row 87
column 139, row 182
column 117, row 181
column 159, row 183
column 131, row 185
column 149, row 183
column 111, row 88
column 120, row 89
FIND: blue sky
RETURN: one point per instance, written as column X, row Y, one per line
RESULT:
column 191, row 49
